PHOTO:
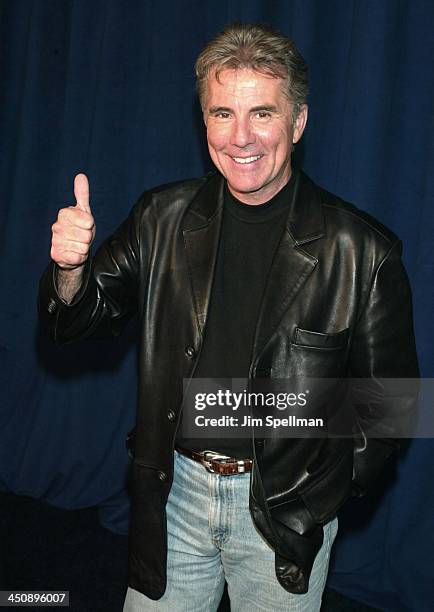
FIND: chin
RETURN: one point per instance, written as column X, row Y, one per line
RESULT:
column 244, row 187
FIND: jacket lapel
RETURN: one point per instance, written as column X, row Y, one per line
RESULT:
column 201, row 231
column 292, row 265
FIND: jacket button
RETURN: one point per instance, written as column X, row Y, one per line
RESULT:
column 171, row 415
column 162, row 476
column 51, row 306
column 190, row 352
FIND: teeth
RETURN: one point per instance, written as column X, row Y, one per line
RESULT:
column 246, row 160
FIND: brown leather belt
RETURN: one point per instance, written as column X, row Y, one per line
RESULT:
column 218, row 464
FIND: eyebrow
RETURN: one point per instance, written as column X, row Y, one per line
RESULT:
column 264, row 107
column 219, row 109
column 225, row 109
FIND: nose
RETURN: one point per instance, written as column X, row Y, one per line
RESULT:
column 242, row 134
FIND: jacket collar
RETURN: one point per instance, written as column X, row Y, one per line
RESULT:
column 305, row 220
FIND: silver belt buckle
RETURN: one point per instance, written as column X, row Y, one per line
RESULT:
column 211, row 455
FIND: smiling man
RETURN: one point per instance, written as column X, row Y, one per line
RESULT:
column 254, row 272
column 251, row 127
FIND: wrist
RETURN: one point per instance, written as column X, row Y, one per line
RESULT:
column 68, row 282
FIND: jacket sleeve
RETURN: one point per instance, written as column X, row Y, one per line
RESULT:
column 109, row 292
column 383, row 353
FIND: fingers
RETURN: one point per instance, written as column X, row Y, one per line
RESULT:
column 67, row 260
column 81, row 192
column 74, row 225
column 72, row 217
column 60, row 244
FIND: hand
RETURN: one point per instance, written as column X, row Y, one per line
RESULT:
column 74, row 229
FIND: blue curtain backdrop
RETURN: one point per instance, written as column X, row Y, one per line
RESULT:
column 107, row 88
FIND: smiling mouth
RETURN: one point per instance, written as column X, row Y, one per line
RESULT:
column 246, row 160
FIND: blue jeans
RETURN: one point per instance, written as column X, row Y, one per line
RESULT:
column 211, row 537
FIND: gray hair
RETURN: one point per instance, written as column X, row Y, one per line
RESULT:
column 257, row 47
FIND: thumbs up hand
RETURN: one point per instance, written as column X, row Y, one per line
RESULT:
column 74, row 229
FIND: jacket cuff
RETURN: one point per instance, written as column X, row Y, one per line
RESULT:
column 50, row 304
column 83, row 286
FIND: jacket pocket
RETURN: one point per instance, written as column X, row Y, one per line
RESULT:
column 319, row 355
column 318, row 340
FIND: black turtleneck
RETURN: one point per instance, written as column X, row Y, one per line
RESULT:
column 248, row 240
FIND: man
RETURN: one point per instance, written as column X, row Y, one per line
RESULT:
column 253, row 272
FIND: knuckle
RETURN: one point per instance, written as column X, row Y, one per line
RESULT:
column 55, row 256
column 57, row 240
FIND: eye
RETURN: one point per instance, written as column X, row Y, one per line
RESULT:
column 263, row 115
column 222, row 115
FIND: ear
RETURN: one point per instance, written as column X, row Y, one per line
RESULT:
column 300, row 123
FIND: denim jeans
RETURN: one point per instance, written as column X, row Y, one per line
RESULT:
column 211, row 537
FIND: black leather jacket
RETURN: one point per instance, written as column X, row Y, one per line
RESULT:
column 337, row 304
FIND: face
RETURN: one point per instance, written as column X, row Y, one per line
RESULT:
column 250, row 132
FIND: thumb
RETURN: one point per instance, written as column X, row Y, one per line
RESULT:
column 81, row 192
